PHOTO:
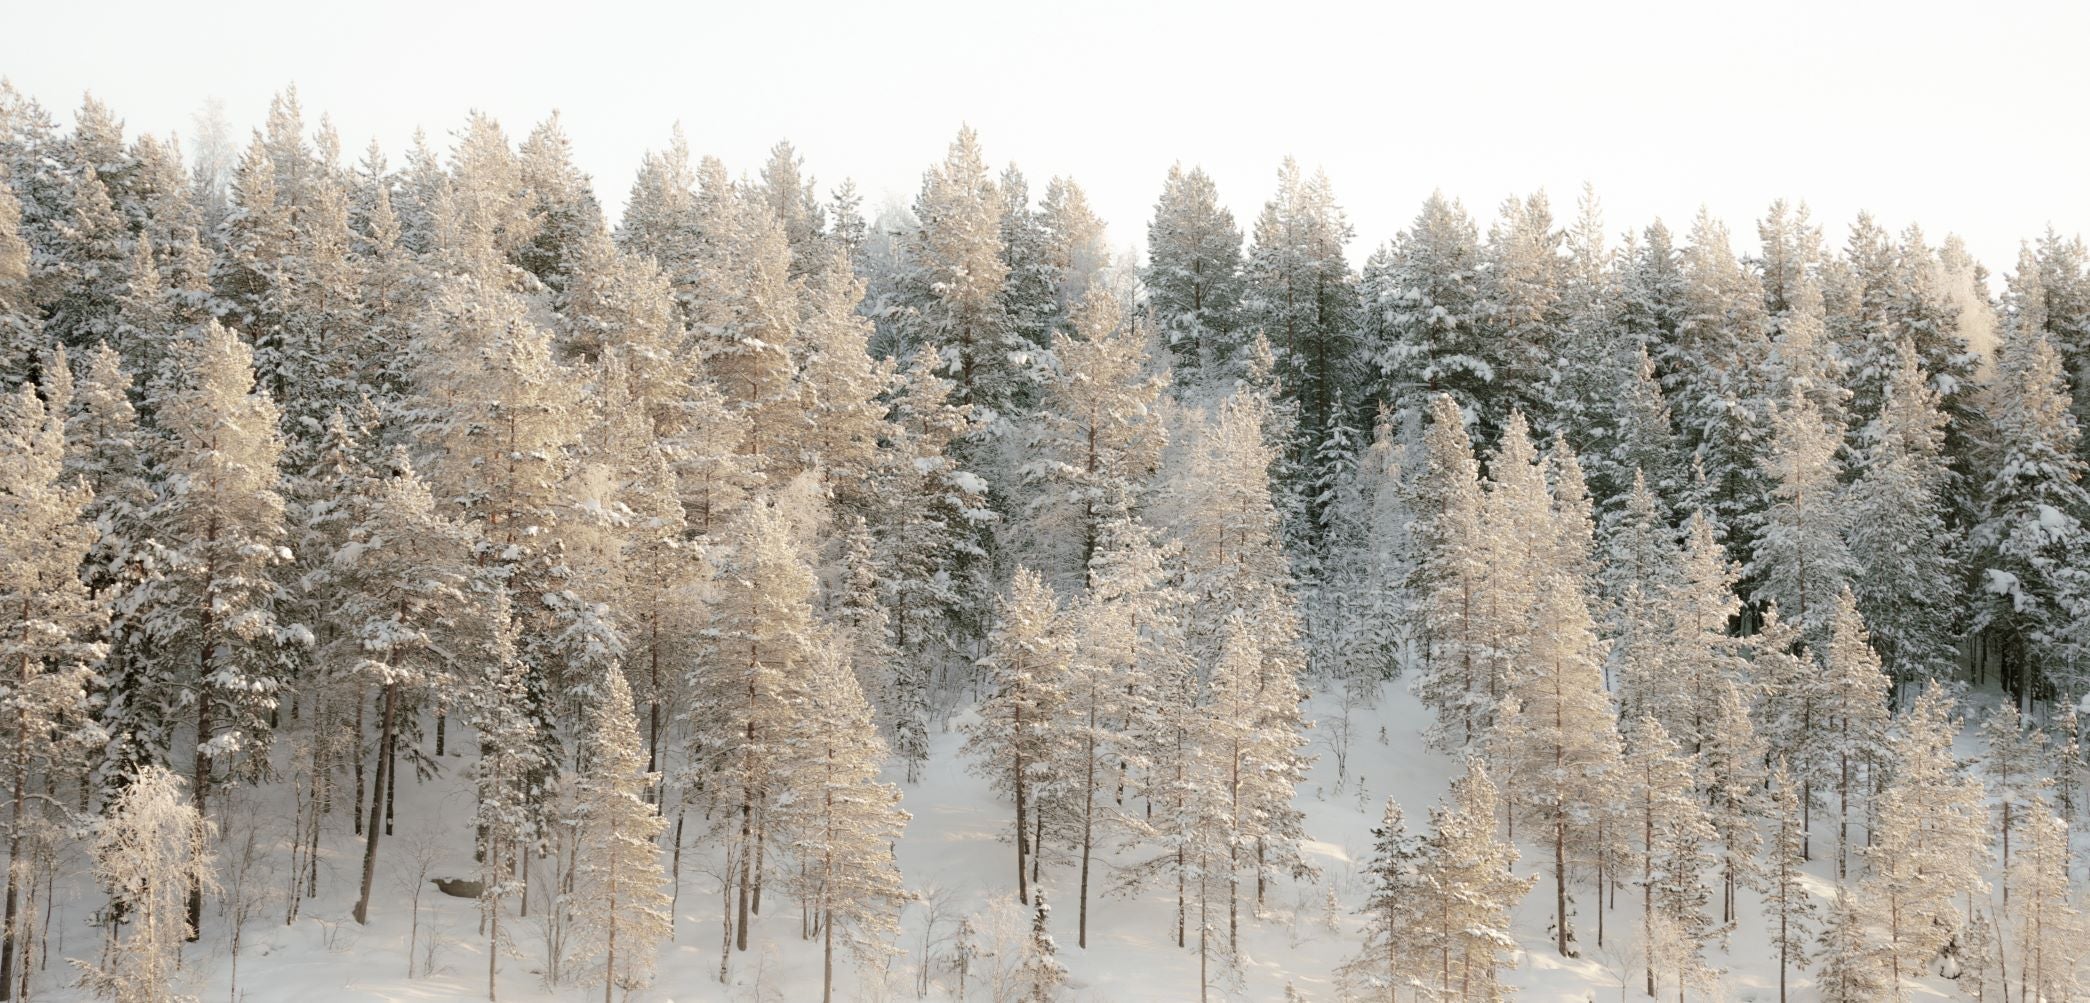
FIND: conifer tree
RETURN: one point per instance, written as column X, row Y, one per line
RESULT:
column 1801, row 560
column 407, row 604
column 2030, row 542
column 49, row 638
column 1397, row 940
column 1930, row 842
column 1673, row 828
column 21, row 324
column 1853, row 967
column 150, row 850
column 1556, row 742
column 1042, row 972
column 1193, row 277
column 208, row 618
column 620, row 909
column 510, row 753
column 842, row 822
column 1850, row 696
column 1467, row 869
column 1099, row 440
column 1027, row 666
column 1788, row 907
column 2015, row 755
column 746, row 698
column 1908, row 579
column 955, row 274
column 2047, row 928
column 1451, row 578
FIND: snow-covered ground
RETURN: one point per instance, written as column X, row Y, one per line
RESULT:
column 954, row 849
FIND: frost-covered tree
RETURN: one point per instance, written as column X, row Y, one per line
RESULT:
column 1673, row 829
column 747, row 696
column 2031, row 548
column 1193, row 277
column 1801, row 561
column 1423, row 305
column 1300, row 293
column 2045, row 926
column 510, row 754
column 1788, row 907
column 2013, row 764
column 1909, row 579
column 619, row 910
column 1451, row 578
column 1397, row 938
column 934, row 517
column 1556, row 744
column 1099, row 438
column 1042, row 973
column 21, row 324
column 1929, row 844
column 1027, row 669
column 1471, row 890
column 1852, row 966
column 149, row 850
column 842, row 822
column 208, row 616
column 954, row 274
column 407, row 604
column 50, row 628
column 1849, row 696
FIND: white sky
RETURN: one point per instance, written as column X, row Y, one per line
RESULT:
column 1972, row 118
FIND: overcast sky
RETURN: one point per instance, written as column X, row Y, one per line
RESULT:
column 1971, row 118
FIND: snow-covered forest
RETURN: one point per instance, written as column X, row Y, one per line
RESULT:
column 417, row 584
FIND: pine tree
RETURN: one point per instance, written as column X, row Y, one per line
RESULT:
column 1555, row 741
column 150, row 850
column 406, row 602
column 1027, row 667
column 1930, row 842
column 1076, row 249
column 1098, row 442
column 21, row 324
column 1042, row 973
column 1852, row 967
column 2015, row 755
column 842, row 822
column 1801, row 560
column 1788, row 907
column 2030, row 543
column 208, row 616
column 1850, row 696
column 954, row 278
column 1299, row 291
column 1673, row 828
column 1193, row 277
column 510, row 754
column 746, row 698
column 620, row 910
column 1471, row 890
column 2047, row 929
column 1908, row 591
column 1451, row 578
column 49, row 631
column 1397, row 941
column 1422, row 300
column 1731, row 756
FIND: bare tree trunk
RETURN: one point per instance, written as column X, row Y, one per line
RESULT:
column 386, row 735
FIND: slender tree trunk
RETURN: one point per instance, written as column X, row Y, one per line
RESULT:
column 356, row 817
column 1088, row 823
column 14, row 845
column 386, row 736
column 1022, row 872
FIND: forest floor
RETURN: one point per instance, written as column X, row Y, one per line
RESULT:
column 955, row 852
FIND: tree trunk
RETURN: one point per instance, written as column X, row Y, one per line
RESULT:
column 1022, row 873
column 386, row 736
column 1088, row 824
column 14, row 846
